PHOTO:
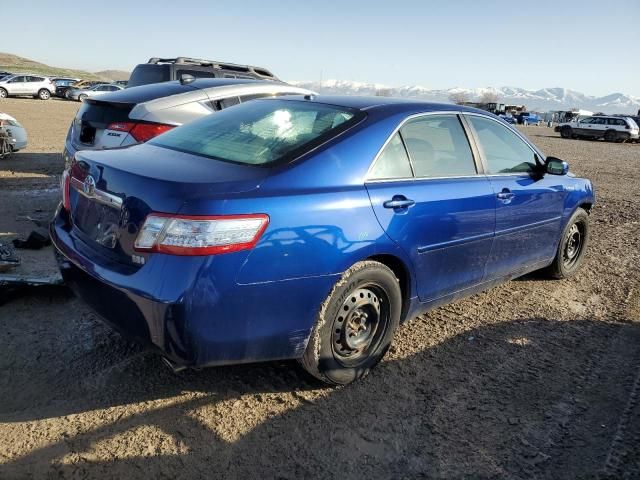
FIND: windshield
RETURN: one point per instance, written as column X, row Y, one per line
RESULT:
column 262, row 131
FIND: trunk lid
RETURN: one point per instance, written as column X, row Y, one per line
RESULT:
column 88, row 130
column 113, row 191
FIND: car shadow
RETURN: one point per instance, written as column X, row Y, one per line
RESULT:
column 513, row 399
column 39, row 165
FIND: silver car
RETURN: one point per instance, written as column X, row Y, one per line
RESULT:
column 26, row 85
column 17, row 133
column 80, row 94
column 138, row 114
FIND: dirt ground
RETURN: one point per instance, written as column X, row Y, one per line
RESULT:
column 534, row 379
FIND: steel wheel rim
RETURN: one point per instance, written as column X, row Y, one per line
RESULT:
column 574, row 242
column 360, row 324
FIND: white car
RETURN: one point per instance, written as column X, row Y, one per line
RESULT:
column 80, row 94
column 17, row 133
column 610, row 128
column 26, row 85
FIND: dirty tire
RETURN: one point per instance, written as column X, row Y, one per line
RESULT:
column 610, row 136
column 325, row 357
column 44, row 94
column 565, row 265
column 566, row 132
column 3, row 93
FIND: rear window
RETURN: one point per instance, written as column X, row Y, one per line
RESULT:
column 146, row 74
column 100, row 114
column 261, row 132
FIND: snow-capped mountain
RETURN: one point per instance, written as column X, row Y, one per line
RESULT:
column 541, row 100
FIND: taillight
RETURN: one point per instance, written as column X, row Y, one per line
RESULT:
column 65, row 186
column 140, row 131
column 200, row 235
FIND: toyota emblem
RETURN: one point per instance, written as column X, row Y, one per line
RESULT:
column 89, row 185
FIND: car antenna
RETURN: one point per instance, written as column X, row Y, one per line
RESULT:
column 186, row 79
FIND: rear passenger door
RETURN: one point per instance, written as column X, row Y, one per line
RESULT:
column 430, row 199
column 529, row 204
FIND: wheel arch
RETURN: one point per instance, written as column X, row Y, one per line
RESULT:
column 402, row 273
column 586, row 206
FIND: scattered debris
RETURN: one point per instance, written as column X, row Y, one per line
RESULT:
column 36, row 240
column 8, row 257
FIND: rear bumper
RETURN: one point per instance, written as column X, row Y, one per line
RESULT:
column 190, row 309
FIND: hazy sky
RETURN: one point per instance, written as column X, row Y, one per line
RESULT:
column 590, row 46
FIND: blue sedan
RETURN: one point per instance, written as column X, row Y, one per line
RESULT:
column 310, row 227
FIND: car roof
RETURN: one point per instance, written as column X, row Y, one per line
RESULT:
column 152, row 91
column 389, row 104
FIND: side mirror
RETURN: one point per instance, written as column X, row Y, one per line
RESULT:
column 555, row 166
column 186, row 79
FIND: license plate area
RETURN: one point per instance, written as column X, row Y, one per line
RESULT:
column 100, row 223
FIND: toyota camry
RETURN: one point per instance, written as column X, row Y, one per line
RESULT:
column 310, row 227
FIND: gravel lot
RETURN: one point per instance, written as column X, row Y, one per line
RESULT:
column 534, row 379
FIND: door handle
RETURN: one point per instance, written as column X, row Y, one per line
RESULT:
column 506, row 194
column 399, row 201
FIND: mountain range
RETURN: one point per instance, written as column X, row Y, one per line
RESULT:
column 542, row 100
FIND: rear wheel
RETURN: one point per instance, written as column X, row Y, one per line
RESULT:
column 355, row 325
column 610, row 136
column 573, row 245
column 3, row 93
column 44, row 94
column 566, row 132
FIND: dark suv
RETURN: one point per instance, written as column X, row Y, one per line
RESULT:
column 158, row 70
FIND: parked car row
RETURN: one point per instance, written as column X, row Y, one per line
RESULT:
column 249, row 220
column 42, row 87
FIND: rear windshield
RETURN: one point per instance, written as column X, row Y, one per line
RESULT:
column 100, row 114
column 261, row 132
column 150, row 73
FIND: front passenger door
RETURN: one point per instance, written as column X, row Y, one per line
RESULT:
column 529, row 204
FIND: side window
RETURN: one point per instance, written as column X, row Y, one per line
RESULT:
column 17, row 80
column 229, row 102
column 393, row 162
column 196, row 73
column 36, row 79
column 504, row 151
column 438, row 147
column 587, row 120
column 600, row 121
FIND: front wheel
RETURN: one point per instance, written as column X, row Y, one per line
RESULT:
column 82, row 98
column 572, row 247
column 355, row 325
column 3, row 93
column 566, row 132
column 44, row 94
column 610, row 136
